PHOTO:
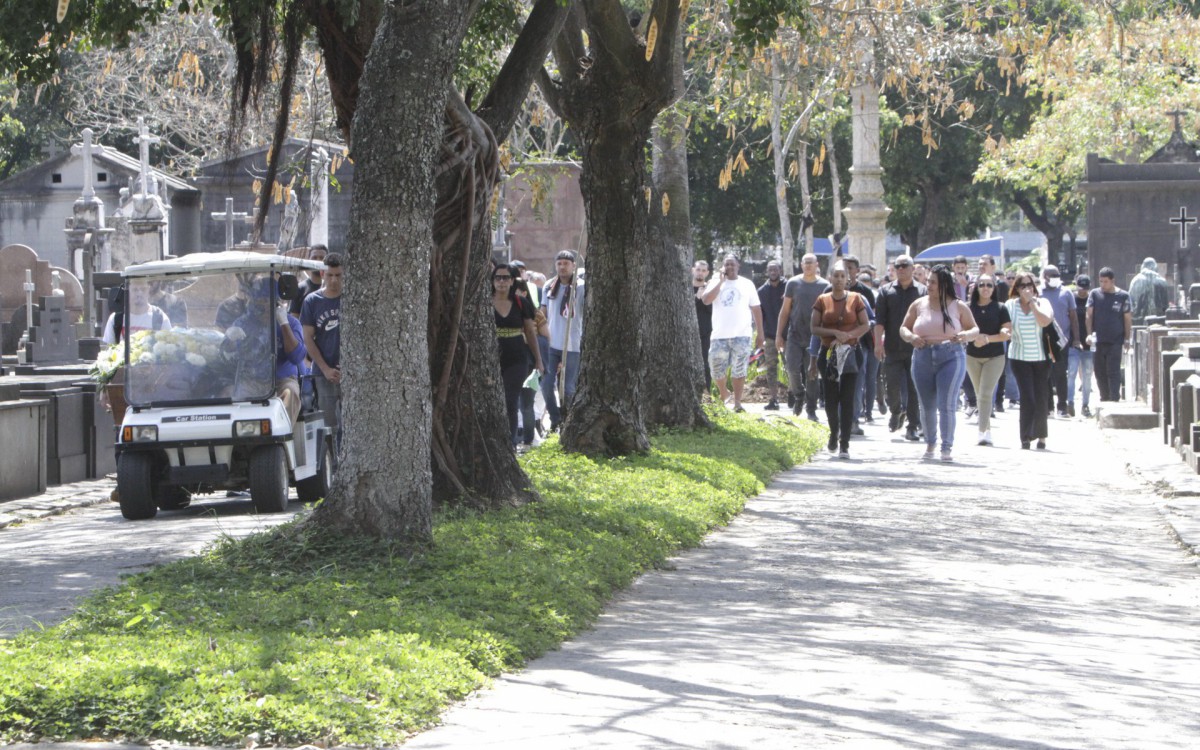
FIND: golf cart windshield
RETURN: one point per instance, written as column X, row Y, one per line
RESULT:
column 202, row 339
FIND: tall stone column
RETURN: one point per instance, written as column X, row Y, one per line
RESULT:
column 866, row 216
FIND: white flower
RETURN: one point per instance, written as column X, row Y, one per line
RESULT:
column 146, row 359
column 165, row 352
column 196, row 359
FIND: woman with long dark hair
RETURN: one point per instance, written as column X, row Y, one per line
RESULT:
column 1027, row 354
column 937, row 325
column 839, row 318
column 517, row 339
column 985, row 355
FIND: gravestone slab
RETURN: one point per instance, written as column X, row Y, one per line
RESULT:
column 52, row 339
column 23, row 462
column 14, row 261
column 1167, row 360
column 66, row 459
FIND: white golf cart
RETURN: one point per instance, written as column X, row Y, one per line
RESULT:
column 203, row 413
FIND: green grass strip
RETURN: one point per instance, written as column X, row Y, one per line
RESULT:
column 292, row 636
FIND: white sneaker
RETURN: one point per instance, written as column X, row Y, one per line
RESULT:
column 985, row 437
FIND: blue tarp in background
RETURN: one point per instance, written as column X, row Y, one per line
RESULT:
column 971, row 249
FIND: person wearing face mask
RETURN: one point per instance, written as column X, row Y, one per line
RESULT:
column 1062, row 301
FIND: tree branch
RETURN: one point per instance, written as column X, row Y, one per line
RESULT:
column 503, row 102
column 611, row 35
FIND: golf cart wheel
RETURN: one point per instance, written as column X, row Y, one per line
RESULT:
column 269, row 479
column 317, row 486
column 135, row 485
column 173, row 498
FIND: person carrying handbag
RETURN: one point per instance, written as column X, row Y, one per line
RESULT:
column 1030, row 357
column 839, row 318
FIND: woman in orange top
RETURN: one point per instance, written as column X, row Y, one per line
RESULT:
column 839, row 317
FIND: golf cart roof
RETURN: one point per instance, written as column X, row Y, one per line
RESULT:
column 230, row 261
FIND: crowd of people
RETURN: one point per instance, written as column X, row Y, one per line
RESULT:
column 921, row 344
column 539, row 326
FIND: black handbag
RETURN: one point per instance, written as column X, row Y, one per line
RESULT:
column 1054, row 340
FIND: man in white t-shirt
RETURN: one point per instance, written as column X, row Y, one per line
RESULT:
column 736, row 317
column 142, row 315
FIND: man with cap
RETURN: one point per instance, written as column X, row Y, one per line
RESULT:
column 1080, row 355
column 563, row 297
column 1063, row 302
column 521, row 272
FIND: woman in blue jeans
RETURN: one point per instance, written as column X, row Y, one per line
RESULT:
column 937, row 325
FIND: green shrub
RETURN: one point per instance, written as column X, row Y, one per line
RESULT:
column 296, row 636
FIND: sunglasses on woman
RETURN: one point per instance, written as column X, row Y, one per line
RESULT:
column 986, row 285
column 502, row 278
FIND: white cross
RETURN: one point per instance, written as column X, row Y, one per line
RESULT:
column 229, row 217
column 144, row 139
column 85, row 150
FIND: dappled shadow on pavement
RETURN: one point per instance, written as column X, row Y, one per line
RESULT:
column 47, row 565
column 894, row 604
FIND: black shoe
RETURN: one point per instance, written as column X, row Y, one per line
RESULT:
column 1063, row 414
column 797, row 408
column 857, row 429
column 1087, row 412
column 911, row 435
column 739, row 410
column 791, row 400
column 833, row 444
column 870, row 419
column 812, row 416
column 1041, row 445
column 882, row 407
column 894, row 422
column 1071, row 410
column 999, row 408
column 1024, row 445
column 772, row 405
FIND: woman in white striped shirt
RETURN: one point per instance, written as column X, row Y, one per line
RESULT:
column 1031, row 362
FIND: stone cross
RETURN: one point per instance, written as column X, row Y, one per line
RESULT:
column 1177, row 114
column 144, row 139
column 1183, row 220
column 229, row 217
column 85, row 150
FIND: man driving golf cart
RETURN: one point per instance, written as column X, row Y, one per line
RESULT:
column 250, row 336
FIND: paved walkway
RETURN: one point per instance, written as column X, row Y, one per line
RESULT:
column 1011, row 599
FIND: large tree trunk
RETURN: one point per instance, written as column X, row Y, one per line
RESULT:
column 1045, row 221
column 671, row 401
column 609, row 93
column 473, row 459
column 606, row 417
column 383, row 486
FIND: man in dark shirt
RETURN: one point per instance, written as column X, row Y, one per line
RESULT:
column 894, row 352
column 311, row 282
column 867, row 364
column 1109, row 326
column 703, row 315
column 770, row 296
